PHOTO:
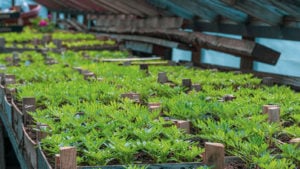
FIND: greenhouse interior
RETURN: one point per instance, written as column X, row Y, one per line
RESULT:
column 149, row 84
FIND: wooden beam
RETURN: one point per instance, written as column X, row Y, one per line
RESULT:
column 237, row 47
column 247, row 63
column 290, row 32
column 224, row 10
column 260, row 9
column 197, row 9
column 288, row 6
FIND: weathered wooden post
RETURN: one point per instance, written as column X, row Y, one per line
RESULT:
column 162, row 77
column 28, row 106
column 214, row 155
column 68, row 158
column 274, row 114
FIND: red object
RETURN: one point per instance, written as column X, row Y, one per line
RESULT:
column 25, row 16
column 43, row 23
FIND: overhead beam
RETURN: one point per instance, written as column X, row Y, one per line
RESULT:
column 198, row 10
column 240, row 48
column 250, row 30
column 260, row 9
column 224, row 10
column 289, row 6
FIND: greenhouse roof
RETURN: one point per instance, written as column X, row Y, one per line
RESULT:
column 250, row 18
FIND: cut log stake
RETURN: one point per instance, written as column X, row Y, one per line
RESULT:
column 68, row 158
column 144, row 67
column 162, row 77
column 153, row 106
column 40, row 133
column 196, row 87
column 132, row 96
column 89, row 76
column 2, row 43
column 183, row 124
column 187, row 83
column 214, row 155
column 28, row 106
column 266, row 107
column 57, row 161
column 274, row 114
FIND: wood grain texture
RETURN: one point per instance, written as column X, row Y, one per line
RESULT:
column 68, row 158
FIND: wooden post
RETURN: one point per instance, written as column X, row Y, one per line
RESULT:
column 165, row 52
column 162, row 77
column 2, row 152
column 183, row 124
column 28, row 106
column 68, row 158
column 274, row 114
column 89, row 76
column 144, row 67
column 196, row 56
column 40, row 133
column 266, row 107
column 214, row 155
column 187, row 83
column 228, row 97
column 247, row 63
column 2, row 43
column 57, row 161
column 153, row 106
column 196, row 87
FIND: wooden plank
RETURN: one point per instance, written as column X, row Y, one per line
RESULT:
column 260, row 9
column 224, row 10
column 197, row 9
column 129, row 59
column 68, row 158
column 237, row 47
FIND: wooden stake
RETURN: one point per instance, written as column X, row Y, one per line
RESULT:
column 68, row 158
column 153, row 106
column 57, row 161
column 196, row 87
column 187, row 83
column 183, row 124
column 162, row 77
column 214, row 155
column 274, row 114
column 266, row 107
column 28, row 106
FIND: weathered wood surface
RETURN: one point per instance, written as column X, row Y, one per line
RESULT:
column 241, row 48
column 214, row 155
column 68, row 158
column 130, row 59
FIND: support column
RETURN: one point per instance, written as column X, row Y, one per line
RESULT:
column 162, row 51
column 196, row 56
column 247, row 63
column 2, row 153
